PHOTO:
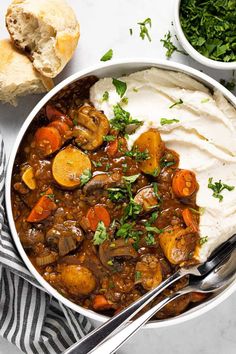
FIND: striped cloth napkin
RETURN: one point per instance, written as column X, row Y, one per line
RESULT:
column 29, row 317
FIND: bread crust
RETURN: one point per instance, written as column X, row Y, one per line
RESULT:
column 60, row 18
column 17, row 74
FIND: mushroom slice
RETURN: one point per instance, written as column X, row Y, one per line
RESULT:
column 117, row 248
column 148, row 272
column 103, row 181
column 146, row 198
column 91, row 126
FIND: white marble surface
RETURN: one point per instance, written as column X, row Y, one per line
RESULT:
column 105, row 24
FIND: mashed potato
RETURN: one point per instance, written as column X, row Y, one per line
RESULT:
column 204, row 136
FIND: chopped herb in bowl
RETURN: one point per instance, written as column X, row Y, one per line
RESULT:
column 210, row 27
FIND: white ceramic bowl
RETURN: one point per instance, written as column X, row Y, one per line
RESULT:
column 112, row 69
column 191, row 50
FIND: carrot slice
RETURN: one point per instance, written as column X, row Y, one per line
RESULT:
column 190, row 219
column 62, row 127
column 53, row 113
column 48, row 140
column 101, row 303
column 112, row 148
column 96, row 214
column 184, row 183
column 43, row 208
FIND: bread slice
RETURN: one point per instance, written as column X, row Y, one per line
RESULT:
column 46, row 30
column 17, row 74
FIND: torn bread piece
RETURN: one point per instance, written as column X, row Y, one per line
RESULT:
column 18, row 76
column 46, row 30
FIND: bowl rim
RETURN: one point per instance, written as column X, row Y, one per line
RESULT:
column 191, row 50
column 131, row 65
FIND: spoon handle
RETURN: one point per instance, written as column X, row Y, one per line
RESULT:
column 118, row 339
column 89, row 342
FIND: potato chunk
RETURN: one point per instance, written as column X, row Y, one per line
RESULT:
column 178, row 244
column 150, row 142
column 78, row 280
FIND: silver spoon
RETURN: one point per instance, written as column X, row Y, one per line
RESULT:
column 98, row 335
column 217, row 280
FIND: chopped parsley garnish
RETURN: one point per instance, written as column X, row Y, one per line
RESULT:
column 205, row 100
column 169, row 45
column 50, row 196
column 124, row 100
column 120, row 86
column 150, row 239
column 230, row 85
column 122, row 119
column 107, row 56
column 138, row 275
column 85, row 177
column 116, row 194
column 177, row 103
column 131, row 31
column 137, row 154
column 144, row 32
column 210, row 27
column 165, row 163
column 96, row 164
column 156, row 172
column 155, row 189
column 75, row 122
column 132, row 210
column 107, row 167
column 165, row 121
column 203, row 240
column 218, row 187
column 100, row 234
column 124, row 230
column 131, row 179
column 124, row 167
column 200, row 211
column 110, row 262
column 105, row 96
column 109, row 138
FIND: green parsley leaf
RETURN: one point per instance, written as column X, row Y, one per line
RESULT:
column 124, row 100
column 109, row 138
column 137, row 154
column 105, row 96
column 150, row 239
column 107, row 56
column 124, row 167
column 155, row 189
column 218, row 187
column 124, row 230
column 200, row 211
column 116, row 194
column 107, row 167
column 110, row 262
column 131, row 31
column 180, row 101
column 85, row 177
column 120, row 86
column 165, row 121
column 153, row 229
column 75, row 122
column 96, row 164
column 100, row 234
column 203, row 240
column 144, row 32
column 169, row 45
column 165, row 163
column 156, row 172
column 122, row 119
column 50, row 196
column 138, row 275
column 132, row 210
column 131, row 179
column 205, row 100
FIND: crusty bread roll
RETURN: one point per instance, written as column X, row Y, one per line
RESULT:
column 46, row 30
column 17, row 74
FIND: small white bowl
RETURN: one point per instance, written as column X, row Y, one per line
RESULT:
column 214, row 64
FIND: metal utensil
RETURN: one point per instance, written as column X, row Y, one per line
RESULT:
column 101, row 333
column 221, row 276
